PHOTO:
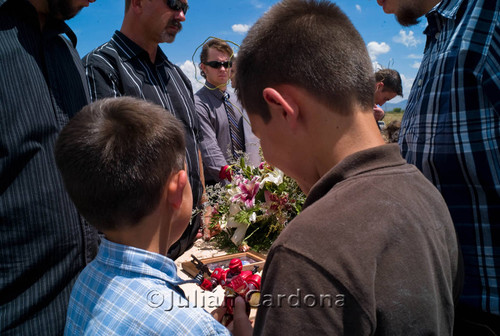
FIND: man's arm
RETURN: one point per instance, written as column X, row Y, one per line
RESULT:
column 491, row 74
column 212, row 155
column 202, row 174
column 101, row 77
column 252, row 143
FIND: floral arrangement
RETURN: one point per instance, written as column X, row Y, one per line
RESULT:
column 253, row 208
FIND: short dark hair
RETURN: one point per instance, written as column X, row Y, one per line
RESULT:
column 217, row 44
column 391, row 131
column 391, row 80
column 115, row 157
column 308, row 43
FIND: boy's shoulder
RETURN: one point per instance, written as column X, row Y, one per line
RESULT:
column 131, row 308
column 133, row 300
column 376, row 195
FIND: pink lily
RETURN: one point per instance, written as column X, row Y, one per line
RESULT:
column 248, row 191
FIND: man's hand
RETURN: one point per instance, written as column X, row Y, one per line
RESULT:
column 378, row 113
column 209, row 232
column 241, row 325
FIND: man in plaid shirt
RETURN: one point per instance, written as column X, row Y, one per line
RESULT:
column 451, row 132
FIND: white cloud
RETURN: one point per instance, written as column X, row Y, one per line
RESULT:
column 240, row 28
column 407, row 84
column 375, row 49
column 416, row 65
column 257, row 4
column 408, row 39
column 415, row 56
column 358, row 8
column 377, row 66
column 196, row 79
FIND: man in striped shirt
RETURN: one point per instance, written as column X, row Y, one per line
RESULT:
column 132, row 64
column 44, row 243
column 451, row 131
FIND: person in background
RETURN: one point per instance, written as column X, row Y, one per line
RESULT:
column 128, row 178
column 387, row 86
column 252, row 144
column 221, row 119
column 133, row 64
column 450, row 131
column 391, row 131
column 217, row 111
column 336, row 269
column 44, row 242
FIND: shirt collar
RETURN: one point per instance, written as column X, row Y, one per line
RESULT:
column 138, row 261
column 60, row 27
column 353, row 165
column 446, row 8
column 128, row 50
column 219, row 94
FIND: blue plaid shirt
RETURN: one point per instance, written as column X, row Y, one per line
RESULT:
column 451, row 131
column 129, row 291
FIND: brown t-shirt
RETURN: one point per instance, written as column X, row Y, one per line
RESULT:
column 373, row 252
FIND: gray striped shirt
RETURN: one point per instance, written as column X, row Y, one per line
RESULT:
column 44, row 243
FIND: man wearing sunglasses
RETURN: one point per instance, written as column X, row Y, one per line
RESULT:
column 221, row 121
column 133, row 64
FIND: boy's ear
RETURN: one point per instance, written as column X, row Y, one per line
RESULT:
column 175, row 188
column 282, row 103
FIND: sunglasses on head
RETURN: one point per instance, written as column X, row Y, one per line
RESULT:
column 178, row 5
column 218, row 65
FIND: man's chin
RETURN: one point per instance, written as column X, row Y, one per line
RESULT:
column 167, row 38
column 73, row 14
column 407, row 21
column 67, row 13
column 408, row 16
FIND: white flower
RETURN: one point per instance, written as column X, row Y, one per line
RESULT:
column 222, row 222
column 275, row 177
column 233, row 190
column 253, row 217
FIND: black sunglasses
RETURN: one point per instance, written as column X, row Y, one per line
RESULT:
column 218, row 65
column 178, row 5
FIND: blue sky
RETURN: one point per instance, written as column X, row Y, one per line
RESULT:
column 389, row 44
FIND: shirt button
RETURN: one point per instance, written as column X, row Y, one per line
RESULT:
column 420, row 82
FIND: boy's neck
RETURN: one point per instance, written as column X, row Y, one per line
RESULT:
column 334, row 135
column 147, row 235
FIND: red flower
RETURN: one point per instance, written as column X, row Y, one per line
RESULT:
column 225, row 173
